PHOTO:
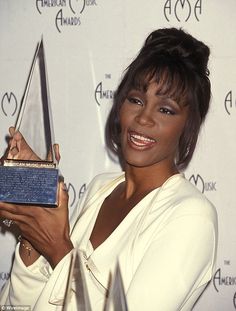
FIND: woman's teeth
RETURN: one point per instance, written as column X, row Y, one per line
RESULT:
column 140, row 140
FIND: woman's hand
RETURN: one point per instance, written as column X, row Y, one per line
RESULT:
column 46, row 229
column 18, row 149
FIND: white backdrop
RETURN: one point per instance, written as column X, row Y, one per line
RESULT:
column 88, row 44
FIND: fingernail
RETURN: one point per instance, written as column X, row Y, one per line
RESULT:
column 64, row 188
column 14, row 150
column 61, row 178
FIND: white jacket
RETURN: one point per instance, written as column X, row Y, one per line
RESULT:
column 166, row 247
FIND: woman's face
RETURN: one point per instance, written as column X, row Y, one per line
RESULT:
column 151, row 125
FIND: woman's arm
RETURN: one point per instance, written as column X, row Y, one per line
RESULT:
column 45, row 230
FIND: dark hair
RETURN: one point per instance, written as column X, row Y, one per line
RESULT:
column 178, row 62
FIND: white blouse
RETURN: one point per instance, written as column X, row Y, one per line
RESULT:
column 166, row 248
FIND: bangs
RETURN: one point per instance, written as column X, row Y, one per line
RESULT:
column 171, row 81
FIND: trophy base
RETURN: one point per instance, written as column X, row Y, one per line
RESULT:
column 29, row 185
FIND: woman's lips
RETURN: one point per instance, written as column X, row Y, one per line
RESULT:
column 140, row 141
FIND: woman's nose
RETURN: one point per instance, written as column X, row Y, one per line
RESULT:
column 145, row 117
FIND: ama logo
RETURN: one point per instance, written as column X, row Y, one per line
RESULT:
column 182, row 10
column 229, row 103
column 9, row 104
column 73, row 196
column 198, row 182
column 101, row 93
column 68, row 12
column 203, row 186
column 224, row 280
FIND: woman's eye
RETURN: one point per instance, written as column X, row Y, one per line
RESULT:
column 134, row 100
column 167, row 111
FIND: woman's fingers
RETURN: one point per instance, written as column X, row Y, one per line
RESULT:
column 12, row 130
column 63, row 195
column 13, row 151
column 57, row 152
column 9, row 216
column 7, row 207
column 19, row 148
column 14, row 143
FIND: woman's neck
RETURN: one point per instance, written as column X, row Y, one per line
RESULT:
column 145, row 179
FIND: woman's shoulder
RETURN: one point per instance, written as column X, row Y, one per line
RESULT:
column 186, row 199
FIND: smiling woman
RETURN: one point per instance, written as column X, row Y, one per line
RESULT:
column 151, row 126
column 160, row 228
column 177, row 62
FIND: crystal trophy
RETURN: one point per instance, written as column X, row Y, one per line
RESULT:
column 76, row 285
column 33, row 179
column 116, row 300
column 77, row 295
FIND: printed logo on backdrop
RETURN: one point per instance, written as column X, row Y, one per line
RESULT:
column 73, row 195
column 182, row 10
column 230, row 103
column 4, row 276
column 201, row 184
column 68, row 13
column 102, row 91
column 82, row 190
column 9, row 104
column 222, row 280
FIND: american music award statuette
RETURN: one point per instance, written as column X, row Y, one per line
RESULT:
column 26, row 181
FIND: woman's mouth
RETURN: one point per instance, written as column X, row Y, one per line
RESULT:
column 140, row 141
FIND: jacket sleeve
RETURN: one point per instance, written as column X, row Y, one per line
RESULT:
column 176, row 266
column 26, row 284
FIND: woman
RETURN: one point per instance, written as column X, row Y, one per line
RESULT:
column 159, row 227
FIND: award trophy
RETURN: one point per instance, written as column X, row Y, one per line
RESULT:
column 77, row 295
column 116, row 300
column 22, row 180
column 76, row 283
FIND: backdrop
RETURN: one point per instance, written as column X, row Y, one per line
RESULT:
column 88, row 44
